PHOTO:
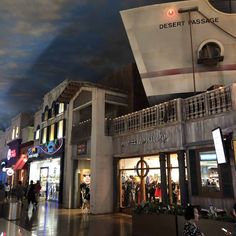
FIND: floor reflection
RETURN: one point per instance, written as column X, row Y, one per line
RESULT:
column 49, row 220
column 8, row 228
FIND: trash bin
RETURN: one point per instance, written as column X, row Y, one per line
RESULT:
column 12, row 210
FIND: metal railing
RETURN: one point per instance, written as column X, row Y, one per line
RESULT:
column 209, row 103
column 147, row 118
column 177, row 110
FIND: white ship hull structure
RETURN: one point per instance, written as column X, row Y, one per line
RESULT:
column 182, row 47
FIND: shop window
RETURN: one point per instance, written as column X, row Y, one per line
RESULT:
column 132, row 185
column 37, row 133
column 60, row 129
column 172, row 171
column 209, row 172
column 13, row 134
column 52, row 132
column 17, row 132
column 44, row 137
column 61, row 108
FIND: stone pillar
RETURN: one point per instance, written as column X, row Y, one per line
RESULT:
column 101, row 197
column 163, row 178
column 182, row 178
column 67, row 198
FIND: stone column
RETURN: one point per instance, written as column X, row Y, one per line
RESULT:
column 182, row 178
column 163, row 179
column 67, row 198
column 101, row 197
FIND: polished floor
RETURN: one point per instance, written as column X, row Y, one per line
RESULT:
column 49, row 220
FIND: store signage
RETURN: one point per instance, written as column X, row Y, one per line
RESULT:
column 50, row 148
column 160, row 137
column 11, row 153
column 199, row 21
column 82, row 148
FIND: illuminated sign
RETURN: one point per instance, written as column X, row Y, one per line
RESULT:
column 50, row 148
column 170, row 12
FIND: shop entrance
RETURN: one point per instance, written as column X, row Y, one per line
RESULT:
column 48, row 173
column 44, row 181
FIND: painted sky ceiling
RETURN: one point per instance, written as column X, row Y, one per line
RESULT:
column 43, row 42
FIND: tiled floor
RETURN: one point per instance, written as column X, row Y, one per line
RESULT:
column 48, row 220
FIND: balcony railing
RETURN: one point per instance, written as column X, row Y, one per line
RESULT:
column 205, row 104
column 147, row 118
column 209, row 103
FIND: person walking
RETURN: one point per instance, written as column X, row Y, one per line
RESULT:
column 31, row 195
column 20, row 191
column 191, row 217
column 37, row 192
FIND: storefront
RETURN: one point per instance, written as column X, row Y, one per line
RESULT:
column 144, row 178
column 46, row 164
column 186, row 151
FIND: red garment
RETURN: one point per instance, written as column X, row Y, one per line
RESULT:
column 158, row 192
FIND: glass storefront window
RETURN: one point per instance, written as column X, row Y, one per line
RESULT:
column 152, row 161
column 173, row 189
column 174, row 160
column 13, row 134
column 44, row 138
column 52, row 131
column 153, row 185
column 131, row 186
column 60, row 129
column 129, row 163
column 209, row 172
column 61, row 108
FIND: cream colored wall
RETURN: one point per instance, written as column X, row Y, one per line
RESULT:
column 163, row 55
